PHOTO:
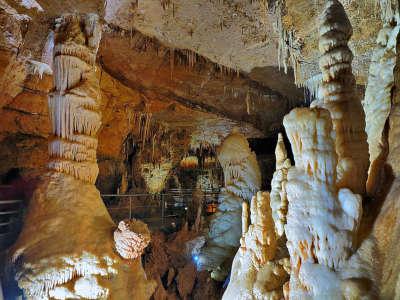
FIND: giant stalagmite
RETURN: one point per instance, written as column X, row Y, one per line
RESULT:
column 242, row 180
column 338, row 95
column 66, row 248
column 331, row 161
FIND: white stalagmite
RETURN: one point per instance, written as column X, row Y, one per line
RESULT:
column 279, row 201
column 322, row 218
column 257, row 271
column 242, row 180
column 377, row 102
column 66, row 249
column 338, row 95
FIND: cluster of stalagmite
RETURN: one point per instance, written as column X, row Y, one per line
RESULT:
column 322, row 218
column 279, row 201
column 338, row 95
column 242, row 180
column 257, row 271
column 66, row 249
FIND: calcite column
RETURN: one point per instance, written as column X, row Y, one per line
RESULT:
column 66, row 248
column 339, row 97
column 242, row 180
column 74, row 104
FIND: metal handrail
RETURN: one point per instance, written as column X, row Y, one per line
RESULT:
column 10, row 212
column 10, row 201
column 167, row 200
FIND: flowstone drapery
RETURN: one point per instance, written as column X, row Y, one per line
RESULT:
column 257, row 272
column 377, row 102
column 338, row 95
column 242, row 180
column 66, row 248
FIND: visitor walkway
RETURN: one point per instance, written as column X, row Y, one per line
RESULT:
column 169, row 209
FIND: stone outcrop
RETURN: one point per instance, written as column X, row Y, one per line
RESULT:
column 131, row 238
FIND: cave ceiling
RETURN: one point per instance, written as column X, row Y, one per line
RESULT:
column 191, row 64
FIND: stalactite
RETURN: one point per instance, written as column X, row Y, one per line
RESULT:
column 289, row 47
column 313, row 84
column 47, row 52
column 74, row 105
column 155, row 175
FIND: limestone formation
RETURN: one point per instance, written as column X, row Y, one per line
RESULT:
column 242, row 180
column 322, row 219
column 377, row 102
column 66, row 248
column 338, row 96
column 279, row 201
column 386, row 229
column 155, row 176
column 257, row 272
column 74, row 104
column 131, row 238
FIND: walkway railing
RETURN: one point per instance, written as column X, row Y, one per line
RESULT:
column 10, row 218
column 171, row 208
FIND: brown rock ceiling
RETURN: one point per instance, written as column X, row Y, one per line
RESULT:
column 190, row 63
